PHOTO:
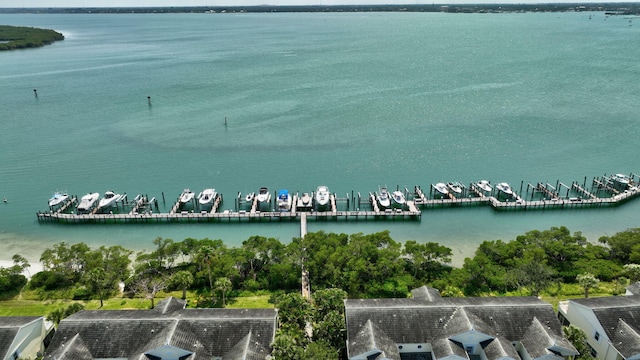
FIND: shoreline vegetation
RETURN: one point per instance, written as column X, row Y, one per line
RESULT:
column 545, row 263
column 621, row 8
column 553, row 265
column 22, row 37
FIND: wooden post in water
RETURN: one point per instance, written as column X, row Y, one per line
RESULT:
column 35, row 92
column 225, row 121
column 149, row 100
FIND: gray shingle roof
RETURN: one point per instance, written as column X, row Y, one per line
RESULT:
column 501, row 348
column 634, row 289
column 436, row 320
column 170, row 304
column 131, row 333
column 443, row 348
column 370, row 339
column 609, row 310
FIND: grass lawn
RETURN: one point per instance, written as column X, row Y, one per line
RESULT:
column 20, row 307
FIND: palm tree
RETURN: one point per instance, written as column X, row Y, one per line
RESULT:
column 223, row 285
column 183, row 279
column 587, row 281
column 206, row 254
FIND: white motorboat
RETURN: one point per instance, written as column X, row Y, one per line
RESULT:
column 284, row 200
column 264, row 196
column 207, row 196
column 505, row 188
column 58, row 198
column 87, row 201
column 186, row 196
column 306, row 199
column 109, row 199
column 455, row 187
column 484, row 185
column 383, row 197
column 441, row 188
column 322, row 196
column 398, row 198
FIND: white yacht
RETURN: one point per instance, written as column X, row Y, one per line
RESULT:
column 383, row 197
column 207, row 196
column 398, row 198
column 455, row 187
column 505, row 188
column 58, row 198
column 484, row 185
column 322, row 196
column 87, row 201
column 186, row 196
column 109, row 199
column 441, row 188
column 305, row 199
column 284, row 200
column 264, row 197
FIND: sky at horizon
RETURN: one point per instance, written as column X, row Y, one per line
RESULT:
column 168, row 3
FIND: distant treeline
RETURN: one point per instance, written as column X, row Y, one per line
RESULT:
column 20, row 37
column 613, row 8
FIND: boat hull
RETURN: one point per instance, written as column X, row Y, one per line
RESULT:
column 207, row 197
column 87, row 202
column 322, row 197
column 57, row 199
column 110, row 198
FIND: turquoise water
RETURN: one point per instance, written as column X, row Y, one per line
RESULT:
column 353, row 101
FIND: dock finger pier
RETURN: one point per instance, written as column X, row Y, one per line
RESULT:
column 381, row 204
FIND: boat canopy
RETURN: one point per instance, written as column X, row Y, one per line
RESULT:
column 283, row 194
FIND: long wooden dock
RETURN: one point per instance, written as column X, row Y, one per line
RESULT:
column 540, row 196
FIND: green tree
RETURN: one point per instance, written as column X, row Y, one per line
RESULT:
column 587, row 281
column 578, row 338
column 328, row 317
column 165, row 253
column 321, row 350
column 287, row 347
column 632, row 271
column 535, row 276
column 223, row 285
column 206, row 256
column 182, row 279
column 96, row 280
column 294, row 313
column 427, row 261
column 258, row 253
column 66, row 261
column 624, row 246
column 20, row 264
column 57, row 315
column 105, row 268
column 561, row 248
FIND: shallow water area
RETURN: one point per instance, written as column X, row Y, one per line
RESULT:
column 137, row 103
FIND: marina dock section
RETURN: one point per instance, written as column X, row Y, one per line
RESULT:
column 603, row 191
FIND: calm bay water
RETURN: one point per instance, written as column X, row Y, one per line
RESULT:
column 353, row 101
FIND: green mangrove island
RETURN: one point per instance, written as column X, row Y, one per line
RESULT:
column 22, row 37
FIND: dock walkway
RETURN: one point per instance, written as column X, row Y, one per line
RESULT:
column 139, row 210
